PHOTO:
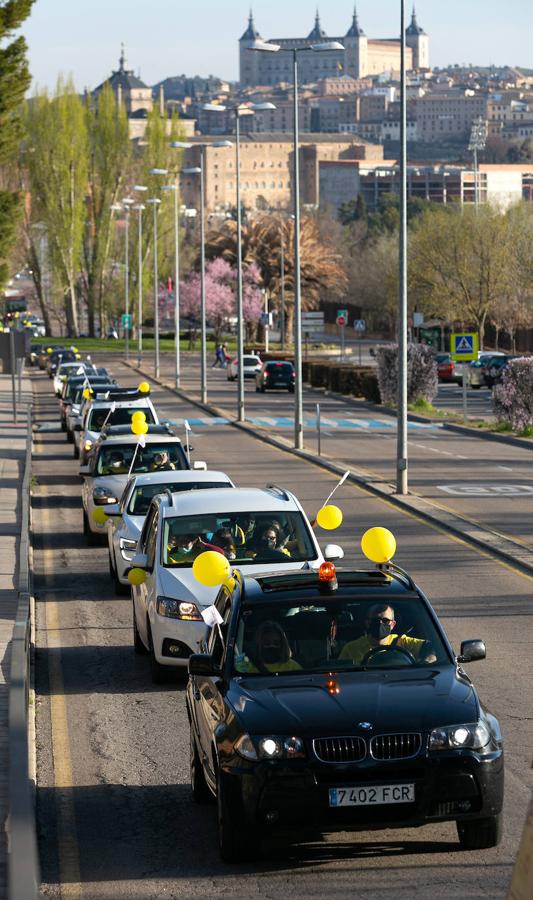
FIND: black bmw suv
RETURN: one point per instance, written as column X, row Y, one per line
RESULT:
column 334, row 701
column 275, row 374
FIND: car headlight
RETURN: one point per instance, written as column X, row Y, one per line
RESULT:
column 473, row 736
column 87, row 445
column 178, row 609
column 270, row 747
column 101, row 496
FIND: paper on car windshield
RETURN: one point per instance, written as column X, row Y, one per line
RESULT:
column 211, row 616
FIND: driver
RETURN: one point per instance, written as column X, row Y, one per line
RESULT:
column 379, row 632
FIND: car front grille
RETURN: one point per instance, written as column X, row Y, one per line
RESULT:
column 339, row 749
column 395, row 746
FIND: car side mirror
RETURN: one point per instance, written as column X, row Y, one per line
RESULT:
column 199, row 465
column 202, row 664
column 472, row 651
column 333, row 551
column 139, row 561
column 112, row 509
column 85, row 470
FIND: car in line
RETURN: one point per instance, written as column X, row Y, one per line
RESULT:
column 57, row 357
column 64, row 371
column 445, row 367
column 112, row 407
column 275, row 374
column 74, row 413
column 71, row 388
column 126, row 518
column 333, row 701
column 257, row 529
column 494, row 367
column 116, row 455
column 46, row 350
column 251, row 365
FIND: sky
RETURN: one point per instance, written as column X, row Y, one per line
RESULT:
column 82, row 38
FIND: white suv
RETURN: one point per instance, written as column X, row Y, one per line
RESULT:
column 111, row 408
column 258, row 531
column 127, row 517
column 106, row 474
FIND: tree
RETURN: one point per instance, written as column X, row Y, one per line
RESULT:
column 57, row 166
column 14, row 82
column 108, row 160
column 220, row 289
column 461, row 263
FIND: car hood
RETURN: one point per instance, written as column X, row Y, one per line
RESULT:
column 113, row 483
column 181, row 583
column 391, row 701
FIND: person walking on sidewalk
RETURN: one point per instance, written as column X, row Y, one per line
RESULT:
column 220, row 358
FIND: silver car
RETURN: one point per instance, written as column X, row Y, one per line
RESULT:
column 127, row 517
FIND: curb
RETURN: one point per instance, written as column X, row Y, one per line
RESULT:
column 503, row 548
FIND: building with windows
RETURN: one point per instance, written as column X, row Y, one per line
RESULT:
column 361, row 57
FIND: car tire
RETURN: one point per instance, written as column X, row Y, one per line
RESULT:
column 475, row 387
column 63, row 425
column 138, row 646
column 76, row 451
column 200, row 790
column 480, row 834
column 70, row 436
column 256, row 389
column 262, row 389
column 235, row 844
column 158, row 672
column 90, row 536
column 120, row 588
column 291, row 390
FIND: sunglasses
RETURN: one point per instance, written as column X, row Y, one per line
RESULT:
column 382, row 619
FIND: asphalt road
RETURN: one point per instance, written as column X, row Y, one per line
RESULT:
column 115, row 816
column 488, row 482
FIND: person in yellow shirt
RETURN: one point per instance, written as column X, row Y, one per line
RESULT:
column 271, row 652
column 380, row 624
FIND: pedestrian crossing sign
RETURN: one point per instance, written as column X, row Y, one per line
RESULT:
column 464, row 346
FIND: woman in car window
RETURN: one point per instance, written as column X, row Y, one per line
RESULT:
column 269, row 545
column 271, row 651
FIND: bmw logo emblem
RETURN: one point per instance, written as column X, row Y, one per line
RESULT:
column 365, row 726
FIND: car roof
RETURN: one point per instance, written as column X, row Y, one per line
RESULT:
column 181, row 477
column 239, row 500
column 137, row 402
column 162, row 437
column 371, row 584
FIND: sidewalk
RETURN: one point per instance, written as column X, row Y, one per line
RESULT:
column 13, row 439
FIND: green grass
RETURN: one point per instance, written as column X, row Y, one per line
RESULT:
column 422, row 405
column 100, row 345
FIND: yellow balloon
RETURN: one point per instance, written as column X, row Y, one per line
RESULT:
column 48, row 349
column 144, row 388
column 74, row 349
column 211, row 568
column 230, row 583
column 378, row 544
column 329, row 517
column 99, row 515
column 138, row 416
column 136, row 576
column 139, row 427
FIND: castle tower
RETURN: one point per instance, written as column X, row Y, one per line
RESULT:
column 318, row 33
column 249, row 62
column 417, row 39
column 356, row 47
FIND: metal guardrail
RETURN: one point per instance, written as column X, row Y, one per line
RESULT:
column 23, row 857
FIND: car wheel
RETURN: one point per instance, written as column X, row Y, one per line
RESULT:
column 138, row 645
column 200, row 791
column 475, row 387
column 291, row 390
column 63, row 425
column 262, row 389
column 236, row 844
column 256, row 389
column 159, row 673
column 76, row 451
column 480, row 834
column 91, row 537
column 70, row 436
column 117, row 584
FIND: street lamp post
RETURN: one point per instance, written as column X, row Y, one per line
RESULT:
column 127, row 202
column 175, row 189
column 327, row 46
column 200, row 170
column 478, row 140
column 282, row 272
column 139, row 207
column 154, row 202
column 402, row 482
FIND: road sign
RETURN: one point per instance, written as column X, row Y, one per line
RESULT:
column 266, row 319
column 126, row 320
column 342, row 314
column 342, row 321
column 464, row 345
column 359, row 325
column 418, row 319
column 313, row 315
column 315, row 327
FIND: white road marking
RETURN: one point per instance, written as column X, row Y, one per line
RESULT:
column 486, row 490
column 505, row 468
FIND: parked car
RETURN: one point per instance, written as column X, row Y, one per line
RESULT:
column 494, row 367
column 275, row 374
column 251, row 365
column 445, row 367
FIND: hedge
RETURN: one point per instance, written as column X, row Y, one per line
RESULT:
column 343, row 378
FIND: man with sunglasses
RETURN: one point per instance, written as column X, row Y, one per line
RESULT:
column 379, row 632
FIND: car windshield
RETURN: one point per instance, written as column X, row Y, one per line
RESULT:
column 72, row 385
column 281, row 367
column 116, row 459
column 142, row 495
column 243, row 537
column 335, row 635
column 250, row 360
column 121, row 416
column 64, row 368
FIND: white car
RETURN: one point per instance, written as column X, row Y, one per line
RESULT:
column 62, row 373
column 110, row 407
column 258, row 530
column 127, row 517
column 251, row 364
column 116, row 452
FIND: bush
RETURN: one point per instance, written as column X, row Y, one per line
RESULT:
column 343, row 378
column 422, row 381
column 512, row 400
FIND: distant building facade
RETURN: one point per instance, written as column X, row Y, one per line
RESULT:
column 361, row 56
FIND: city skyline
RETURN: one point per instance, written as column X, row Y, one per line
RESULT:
column 63, row 39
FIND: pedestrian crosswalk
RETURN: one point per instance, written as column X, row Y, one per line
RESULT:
column 327, row 423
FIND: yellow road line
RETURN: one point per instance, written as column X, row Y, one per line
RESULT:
column 68, row 852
